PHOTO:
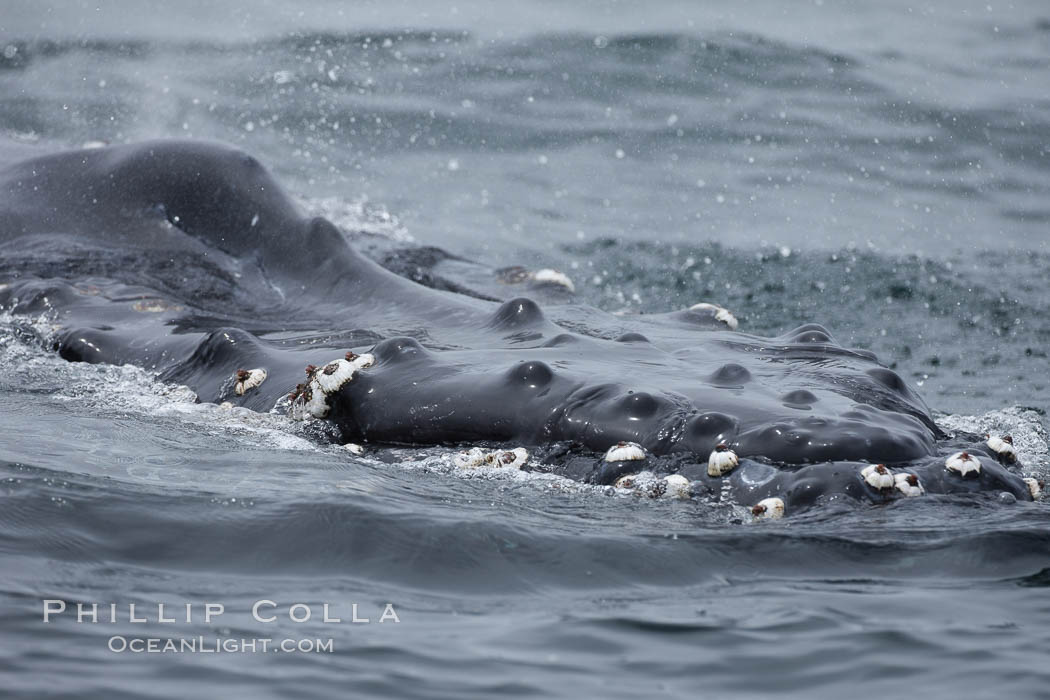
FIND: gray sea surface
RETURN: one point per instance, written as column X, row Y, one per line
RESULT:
column 880, row 168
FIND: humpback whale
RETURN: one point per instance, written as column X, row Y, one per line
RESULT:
column 189, row 259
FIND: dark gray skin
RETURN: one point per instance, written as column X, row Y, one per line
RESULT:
column 188, row 259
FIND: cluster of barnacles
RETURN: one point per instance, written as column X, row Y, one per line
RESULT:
column 724, row 460
column 301, row 395
column 303, row 389
column 646, row 482
column 478, row 458
column 311, row 370
column 311, row 397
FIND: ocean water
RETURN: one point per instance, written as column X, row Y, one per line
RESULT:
column 880, row 169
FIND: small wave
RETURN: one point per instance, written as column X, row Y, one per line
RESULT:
column 114, row 390
column 359, row 217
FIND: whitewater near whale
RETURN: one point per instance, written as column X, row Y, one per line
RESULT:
column 189, row 260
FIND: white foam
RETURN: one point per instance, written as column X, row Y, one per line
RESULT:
column 478, row 458
column 130, row 389
column 359, row 215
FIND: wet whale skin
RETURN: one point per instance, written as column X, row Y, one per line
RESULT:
column 187, row 258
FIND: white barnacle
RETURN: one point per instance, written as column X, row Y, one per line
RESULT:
column 334, row 375
column 722, row 460
column 630, row 481
column 768, row 509
column 477, row 458
column 676, row 486
column 648, row 484
column 908, row 484
column 878, row 476
column 474, row 457
column 1035, row 487
column 361, row 361
column 1003, row 447
column 550, row 276
column 316, row 399
column 624, row 452
column 963, row 464
column 512, row 459
column 248, row 379
column 719, row 312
